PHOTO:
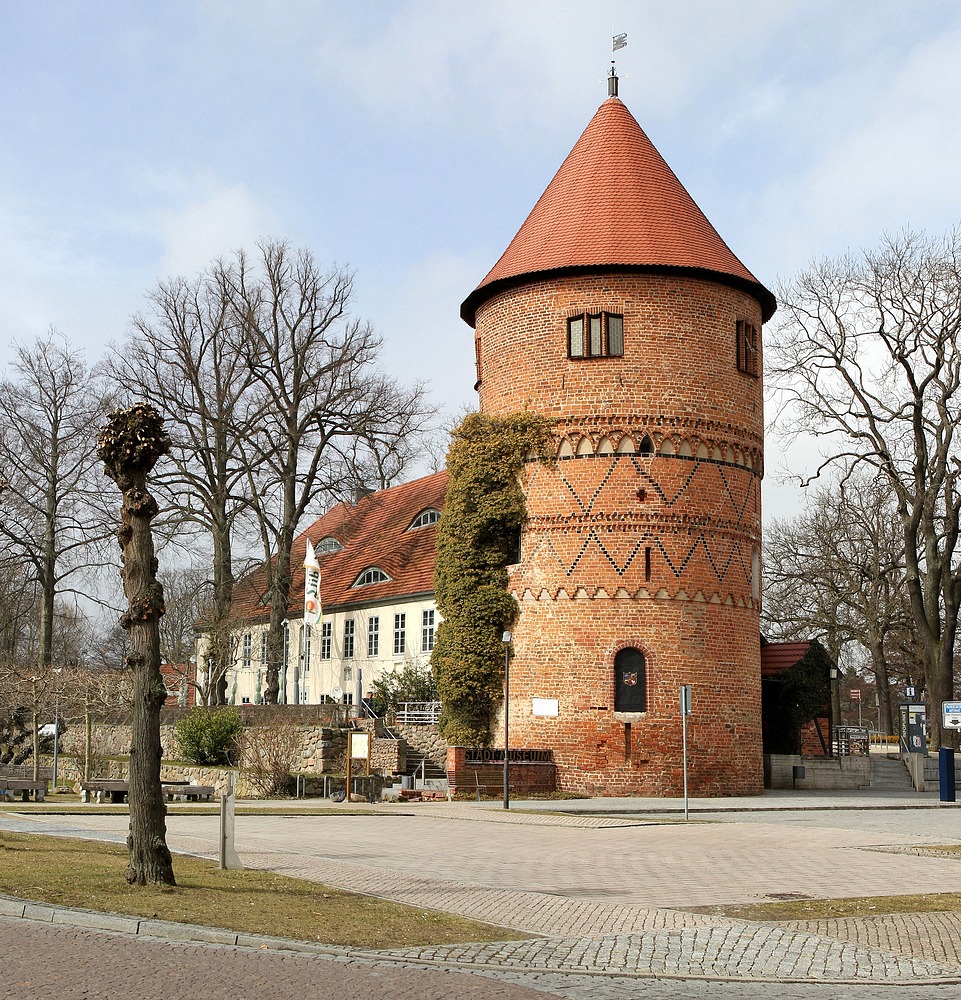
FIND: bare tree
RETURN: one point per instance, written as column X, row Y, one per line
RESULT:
column 53, row 515
column 129, row 446
column 867, row 358
column 188, row 356
column 836, row 572
column 327, row 420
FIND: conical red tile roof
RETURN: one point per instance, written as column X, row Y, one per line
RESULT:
column 615, row 205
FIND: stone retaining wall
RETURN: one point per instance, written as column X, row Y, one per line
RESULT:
column 427, row 740
column 820, row 773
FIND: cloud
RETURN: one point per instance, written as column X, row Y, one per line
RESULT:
column 424, row 337
column 222, row 220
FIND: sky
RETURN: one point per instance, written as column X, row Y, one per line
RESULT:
column 409, row 139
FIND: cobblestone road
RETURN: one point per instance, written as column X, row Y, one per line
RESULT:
column 41, row 961
column 605, row 894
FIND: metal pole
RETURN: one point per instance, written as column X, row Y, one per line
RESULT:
column 56, row 737
column 507, row 708
column 685, row 699
column 684, row 738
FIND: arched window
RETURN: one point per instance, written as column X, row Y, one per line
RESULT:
column 630, row 681
column 328, row 544
column 424, row 518
column 370, row 575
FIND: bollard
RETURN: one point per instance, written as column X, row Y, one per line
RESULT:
column 946, row 774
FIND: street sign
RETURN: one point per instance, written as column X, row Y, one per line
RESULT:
column 855, row 694
column 910, row 693
column 951, row 714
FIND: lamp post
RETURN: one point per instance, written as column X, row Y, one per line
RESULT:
column 506, row 639
column 56, row 725
column 835, row 703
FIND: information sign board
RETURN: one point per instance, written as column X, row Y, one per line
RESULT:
column 951, row 714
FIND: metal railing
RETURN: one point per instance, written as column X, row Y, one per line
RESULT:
column 418, row 713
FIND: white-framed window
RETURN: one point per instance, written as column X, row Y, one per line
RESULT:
column 373, row 636
column 248, row 648
column 370, row 575
column 429, row 516
column 286, row 651
column 348, row 638
column 326, row 545
column 400, row 633
column 326, row 633
column 308, row 635
column 263, row 646
column 427, row 631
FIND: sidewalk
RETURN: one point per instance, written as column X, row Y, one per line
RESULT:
column 559, row 876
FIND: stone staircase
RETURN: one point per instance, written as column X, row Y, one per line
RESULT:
column 432, row 770
column 888, row 774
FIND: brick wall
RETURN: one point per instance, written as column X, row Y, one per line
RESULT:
column 643, row 533
column 525, row 777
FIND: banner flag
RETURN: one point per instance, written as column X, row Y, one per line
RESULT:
column 620, row 41
column 312, row 608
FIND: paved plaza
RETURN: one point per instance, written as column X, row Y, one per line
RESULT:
column 607, row 887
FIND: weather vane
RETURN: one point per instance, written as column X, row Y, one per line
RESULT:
column 618, row 41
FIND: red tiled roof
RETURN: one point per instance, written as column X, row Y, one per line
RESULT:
column 615, row 204
column 776, row 657
column 374, row 533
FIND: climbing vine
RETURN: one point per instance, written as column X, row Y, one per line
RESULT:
column 477, row 539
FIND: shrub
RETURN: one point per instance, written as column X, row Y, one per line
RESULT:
column 409, row 684
column 209, row 737
column 268, row 754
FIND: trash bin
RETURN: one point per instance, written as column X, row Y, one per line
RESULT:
column 946, row 774
column 406, row 782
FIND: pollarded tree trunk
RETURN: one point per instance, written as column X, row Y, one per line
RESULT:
column 129, row 446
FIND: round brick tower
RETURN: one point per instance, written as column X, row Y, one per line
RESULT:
column 619, row 312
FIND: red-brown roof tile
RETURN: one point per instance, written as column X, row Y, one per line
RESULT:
column 615, row 204
column 776, row 657
column 373, row 532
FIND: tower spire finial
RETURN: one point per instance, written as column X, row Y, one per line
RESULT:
column 619, row 41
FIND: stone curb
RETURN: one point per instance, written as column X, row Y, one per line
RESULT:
column 192, row 933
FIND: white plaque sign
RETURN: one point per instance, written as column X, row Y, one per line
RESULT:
column 544, row 706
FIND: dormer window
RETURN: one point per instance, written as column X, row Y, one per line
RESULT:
column 327, row 545
column 370, row 575
column 429, row 516
column 595, row 335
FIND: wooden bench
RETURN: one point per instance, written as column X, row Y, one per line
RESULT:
column 189, row 793
column 23, row 786
column 117, row 791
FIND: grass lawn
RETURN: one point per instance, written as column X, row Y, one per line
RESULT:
column 90, row 875
column 823, row 909
column 801, row 908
